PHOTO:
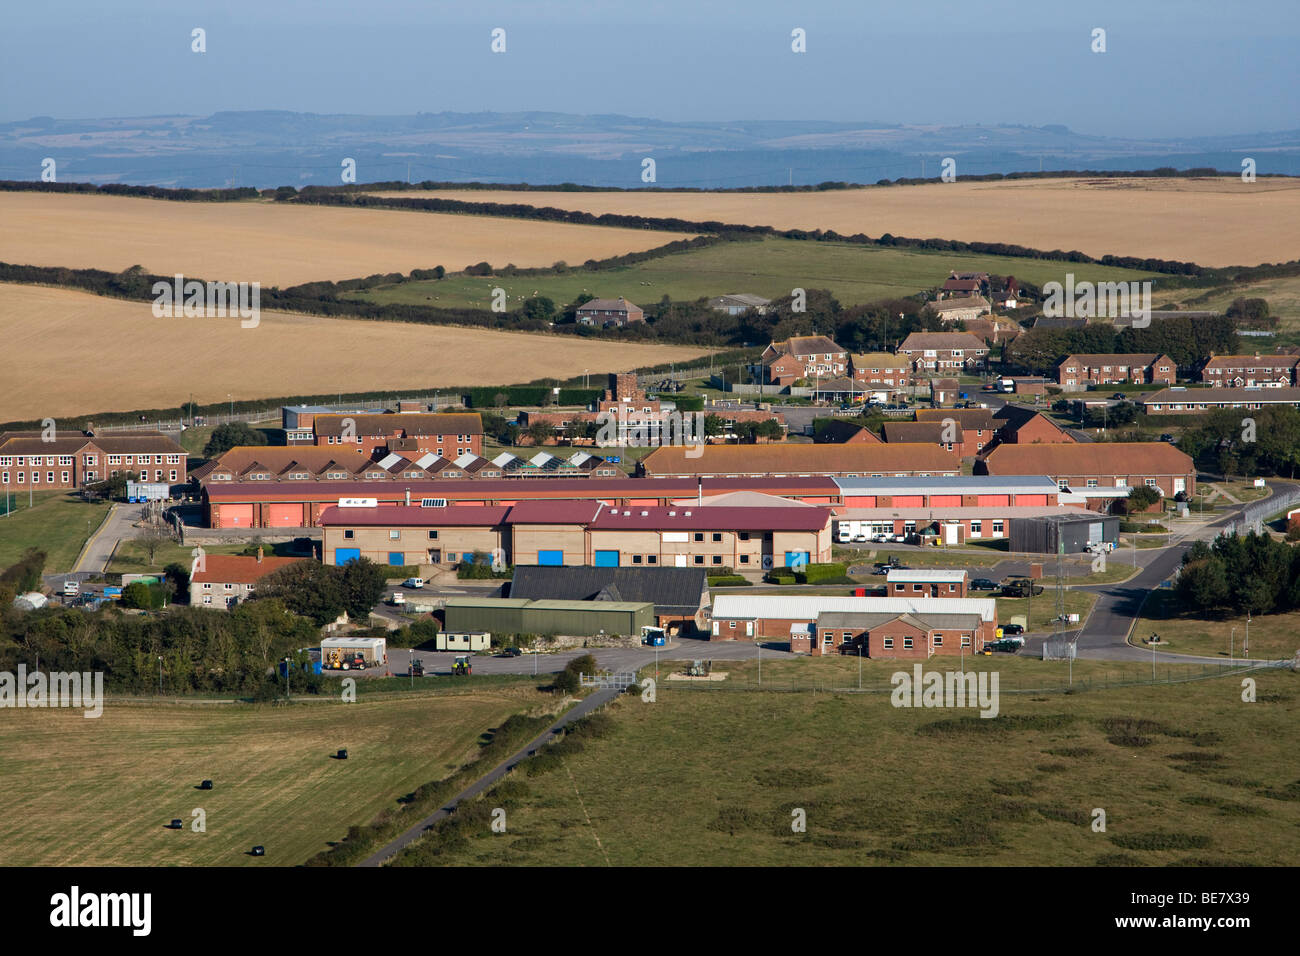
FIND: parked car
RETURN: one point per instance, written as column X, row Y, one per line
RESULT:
column 413, row 583
column 1118, row 396
column 510, row 652
column 983, row 584
column 1012, row 629
column 1007, row 647
column 1167, row 437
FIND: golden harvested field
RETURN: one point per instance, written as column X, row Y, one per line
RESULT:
column 69, row 353
column 283, row 245
column 1213, row 222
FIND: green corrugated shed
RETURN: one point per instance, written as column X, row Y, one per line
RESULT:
column 571, row 618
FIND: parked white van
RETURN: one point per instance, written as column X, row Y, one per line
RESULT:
column 413, row 583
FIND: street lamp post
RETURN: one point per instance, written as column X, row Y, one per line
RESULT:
column 1232, row 640
column 159, row 675
column 286, row 678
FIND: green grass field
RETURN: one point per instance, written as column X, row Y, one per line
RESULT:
column 1044, row 607
column 58, row 523
column 1272, row 636
column 712, row 777
column 131, row 557
column 770, row 267
column 99, row 791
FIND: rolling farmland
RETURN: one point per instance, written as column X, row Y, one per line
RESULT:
column 105, row 349
column 280, row 244
column 1214, row 222
column 855, row 274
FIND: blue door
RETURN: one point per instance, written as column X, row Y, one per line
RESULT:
column 796, row 559
column 396, row 558
column 550, row 557
column 344, row 555
column 606, row 559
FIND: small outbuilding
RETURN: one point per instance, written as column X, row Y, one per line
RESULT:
column 374, row 650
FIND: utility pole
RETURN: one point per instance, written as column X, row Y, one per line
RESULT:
column 159, row 675
column 1232, row 640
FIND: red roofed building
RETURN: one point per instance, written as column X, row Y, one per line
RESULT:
column 754, row 537
column 223, row 580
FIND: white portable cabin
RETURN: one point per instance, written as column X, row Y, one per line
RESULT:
column 464, row 640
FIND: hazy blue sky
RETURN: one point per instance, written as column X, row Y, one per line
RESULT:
column 1173, row 67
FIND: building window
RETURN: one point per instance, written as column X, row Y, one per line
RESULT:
column 888, row 643
column 49, row 477
column 699, row 559
column 451, row 557
column 744, row 559
column 652, row 559
column 699, row 536
column 228, row 587
column 916, row 587
column 394, row 535
column 997, row 527
column 965, row 640
column 976, row 528
column 907, row 642
column 349, row 534
column 717, row 536
column 207, row 599
column 938, row 639
column 64, row 475
column 717, row 559
column 1150, row 482
column 636, row 559
column 732, row 625
column 433, row 535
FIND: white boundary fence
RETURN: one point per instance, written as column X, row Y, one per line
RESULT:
column 1252, row 516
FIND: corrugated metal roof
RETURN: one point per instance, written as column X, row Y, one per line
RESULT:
column 954, row 485
column 924, row 576
column 806, row 608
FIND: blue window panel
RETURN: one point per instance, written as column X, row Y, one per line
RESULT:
column 397, row 558
column 606, row 559
column 796, row 559
column 344, row 555
column 550, row 557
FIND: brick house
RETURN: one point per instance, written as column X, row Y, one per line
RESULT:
column 805, row 356
column 226, row 579
column 881, row 368
column 75, row 459
column 449, row 434
column 924, row 433
column 1087, row 465
column 1239, row 371
column 975, row 427
column 944, row 351
column 926, row 582
column 1142, row 368
column 965, row 308
column 602, row 312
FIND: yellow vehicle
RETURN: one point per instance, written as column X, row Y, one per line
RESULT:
column 462, row 666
